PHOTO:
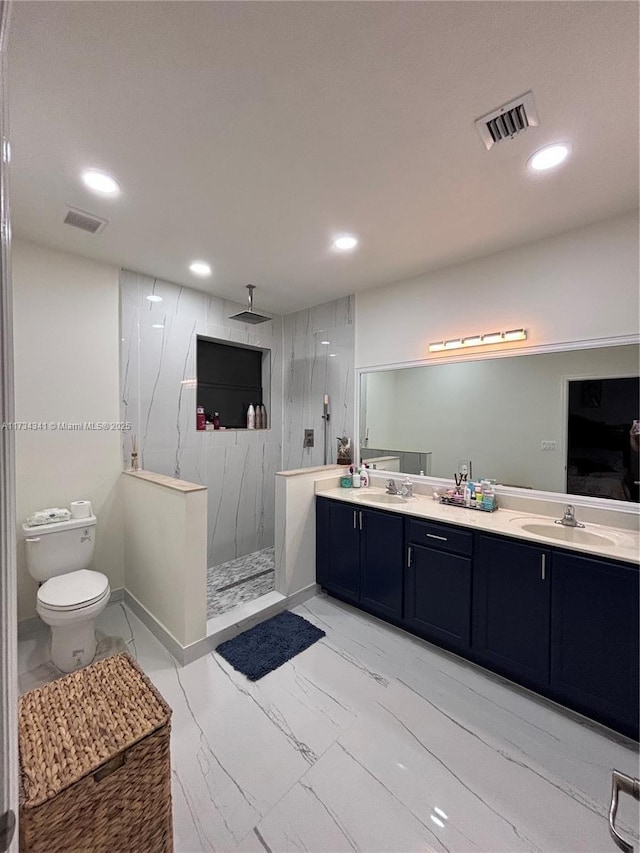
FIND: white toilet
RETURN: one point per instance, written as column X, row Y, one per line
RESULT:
column 70, row 596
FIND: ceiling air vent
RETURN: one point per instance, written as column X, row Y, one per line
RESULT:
column 85, row 221
column 508, row 121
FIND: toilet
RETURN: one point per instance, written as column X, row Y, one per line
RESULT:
column 70, row 595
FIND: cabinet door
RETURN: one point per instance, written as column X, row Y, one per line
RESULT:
column 511, row 609
column 338, row 549
column 594, row 638
column 438, row 596
column 381, row 556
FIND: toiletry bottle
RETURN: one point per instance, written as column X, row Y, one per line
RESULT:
column 258, row 417
column 216, row 420
column 200, row 418
column 364, row 477
column 251, row 417
column 264, row 417
column 467, row 494
column 355, row 479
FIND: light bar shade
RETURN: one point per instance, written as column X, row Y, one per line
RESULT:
column 480, row 340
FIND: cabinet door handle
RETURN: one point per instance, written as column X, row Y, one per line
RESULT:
column 361, row 521
column 543, row 566
column 409, row 555
column 355, row 519
column 433, row 536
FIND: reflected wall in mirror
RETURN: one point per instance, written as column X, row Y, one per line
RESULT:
column 510, row 417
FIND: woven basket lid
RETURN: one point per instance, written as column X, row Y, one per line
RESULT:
column 70, row 727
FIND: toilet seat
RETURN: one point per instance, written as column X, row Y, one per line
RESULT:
column 73, row 591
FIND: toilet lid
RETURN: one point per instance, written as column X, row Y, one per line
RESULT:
column 77, row 589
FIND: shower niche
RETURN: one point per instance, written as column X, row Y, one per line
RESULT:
column 230, row 378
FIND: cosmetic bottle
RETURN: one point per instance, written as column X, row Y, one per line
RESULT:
column 364, row 477
column 355, row 479
column 251, row 417
column 201, row 422
column 216, row 420
column 258, row 417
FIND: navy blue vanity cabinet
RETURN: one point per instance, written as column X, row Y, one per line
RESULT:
column 438, row 583
column 381, row 550
column 594, row 638
column 512, row 609
column 359, row 556
column 338, row 548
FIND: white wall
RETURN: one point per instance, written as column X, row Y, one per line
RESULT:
column 66, row 369
column 575, row 286
column 165, row 548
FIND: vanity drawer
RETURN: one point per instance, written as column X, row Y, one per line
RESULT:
column 439, row 536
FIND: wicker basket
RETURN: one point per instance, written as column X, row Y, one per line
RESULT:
column 95, row 764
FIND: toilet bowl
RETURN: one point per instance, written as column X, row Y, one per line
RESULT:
column 70, row 595
column 69, row 604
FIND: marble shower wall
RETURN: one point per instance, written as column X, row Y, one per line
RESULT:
column 312, row 369
column 158, row 397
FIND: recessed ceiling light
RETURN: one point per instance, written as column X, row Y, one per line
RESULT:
column 345, row 242
column 333, row 355
column 157, row 325
column 548, row 157
column 200, row 268
column 100, row 182
column 154, row 298
column 325, row 343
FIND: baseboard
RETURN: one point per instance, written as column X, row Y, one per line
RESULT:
column 116, row 595
column 226, row 630
column 157, row 628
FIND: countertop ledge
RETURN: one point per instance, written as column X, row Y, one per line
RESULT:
column 167, row 482
column 501, row 522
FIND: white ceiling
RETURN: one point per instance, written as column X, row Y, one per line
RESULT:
column 249, row 133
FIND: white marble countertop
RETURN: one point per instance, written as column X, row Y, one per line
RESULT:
column 617, row 544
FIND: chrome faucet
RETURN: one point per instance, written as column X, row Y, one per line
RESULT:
column 569, row 518
column 392, row 489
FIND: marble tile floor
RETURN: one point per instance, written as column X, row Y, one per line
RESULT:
column 240, row 580
column 371, row 740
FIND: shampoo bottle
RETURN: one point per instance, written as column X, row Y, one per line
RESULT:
column 251, row 417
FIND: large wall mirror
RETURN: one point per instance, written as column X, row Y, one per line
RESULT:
column 550, row 421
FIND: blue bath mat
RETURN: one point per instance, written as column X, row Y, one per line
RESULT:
column 268, row 645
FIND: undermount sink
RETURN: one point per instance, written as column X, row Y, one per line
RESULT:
column 373, row 498
column 564, row 534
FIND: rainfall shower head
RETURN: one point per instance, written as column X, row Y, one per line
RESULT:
column 250, row 316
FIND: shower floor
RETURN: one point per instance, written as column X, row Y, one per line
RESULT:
column 240, row 580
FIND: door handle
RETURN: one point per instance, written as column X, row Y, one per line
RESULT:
column 543, row 566
column 355, row 519
column 32, row 539
column 433, row 536
column 409, row 555
column 621, row 782
column 361, row 520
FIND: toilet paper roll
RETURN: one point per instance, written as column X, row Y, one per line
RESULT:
column 80, row 509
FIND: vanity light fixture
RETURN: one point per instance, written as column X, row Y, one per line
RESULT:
column 100, row 182
column 345, row 242
column 480, row 340
column 154, row 298
column 200, row 268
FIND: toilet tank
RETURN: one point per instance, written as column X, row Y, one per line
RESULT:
column 56, row 549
